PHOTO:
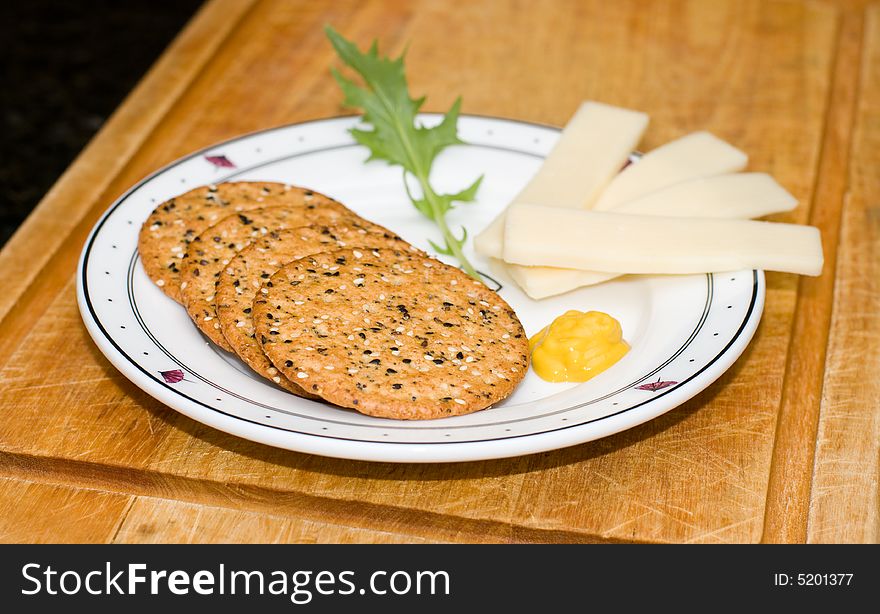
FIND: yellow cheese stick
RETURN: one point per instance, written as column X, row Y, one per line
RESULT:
column 592, row 148
column 626, row 243
column 699, row 154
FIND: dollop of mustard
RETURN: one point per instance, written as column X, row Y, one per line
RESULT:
column 577, row 346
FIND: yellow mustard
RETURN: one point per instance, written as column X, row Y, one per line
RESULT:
column 577, row 346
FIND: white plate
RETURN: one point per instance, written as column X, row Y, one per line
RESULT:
column 685, row 331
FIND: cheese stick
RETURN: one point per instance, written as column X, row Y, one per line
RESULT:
column 699, row 154
column 543, row 281
column 592, row 148
column 735, row 196
column 626, row 243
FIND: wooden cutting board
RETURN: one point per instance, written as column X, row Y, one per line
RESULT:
column 784, row 447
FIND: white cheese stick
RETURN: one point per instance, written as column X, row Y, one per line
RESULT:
column 490, row 242
column 592, row 148
column 543, row 281
column 698, row 154
column 735, row 196
column 626, row 243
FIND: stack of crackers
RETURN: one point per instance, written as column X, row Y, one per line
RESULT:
column 330, row 306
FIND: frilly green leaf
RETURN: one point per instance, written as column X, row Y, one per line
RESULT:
column 396, row 136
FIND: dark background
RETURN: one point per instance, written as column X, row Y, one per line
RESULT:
column 66, row 67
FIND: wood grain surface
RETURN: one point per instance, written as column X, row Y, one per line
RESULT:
column 845, row 490
column 784, row 447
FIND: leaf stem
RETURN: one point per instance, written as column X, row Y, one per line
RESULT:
column 437, row 214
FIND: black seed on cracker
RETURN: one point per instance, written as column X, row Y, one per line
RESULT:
column 373, row 291
column 239, row 283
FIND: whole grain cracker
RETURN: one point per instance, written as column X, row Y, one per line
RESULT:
column 391, row 334
column 242, row 279
column 165, row 234
column 210, row 252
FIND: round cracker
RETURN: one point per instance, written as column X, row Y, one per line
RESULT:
column 165, row 234
column 215, row 247
column 242, row 279
column 391, row 334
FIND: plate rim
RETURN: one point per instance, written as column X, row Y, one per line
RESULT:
column 398, row 451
